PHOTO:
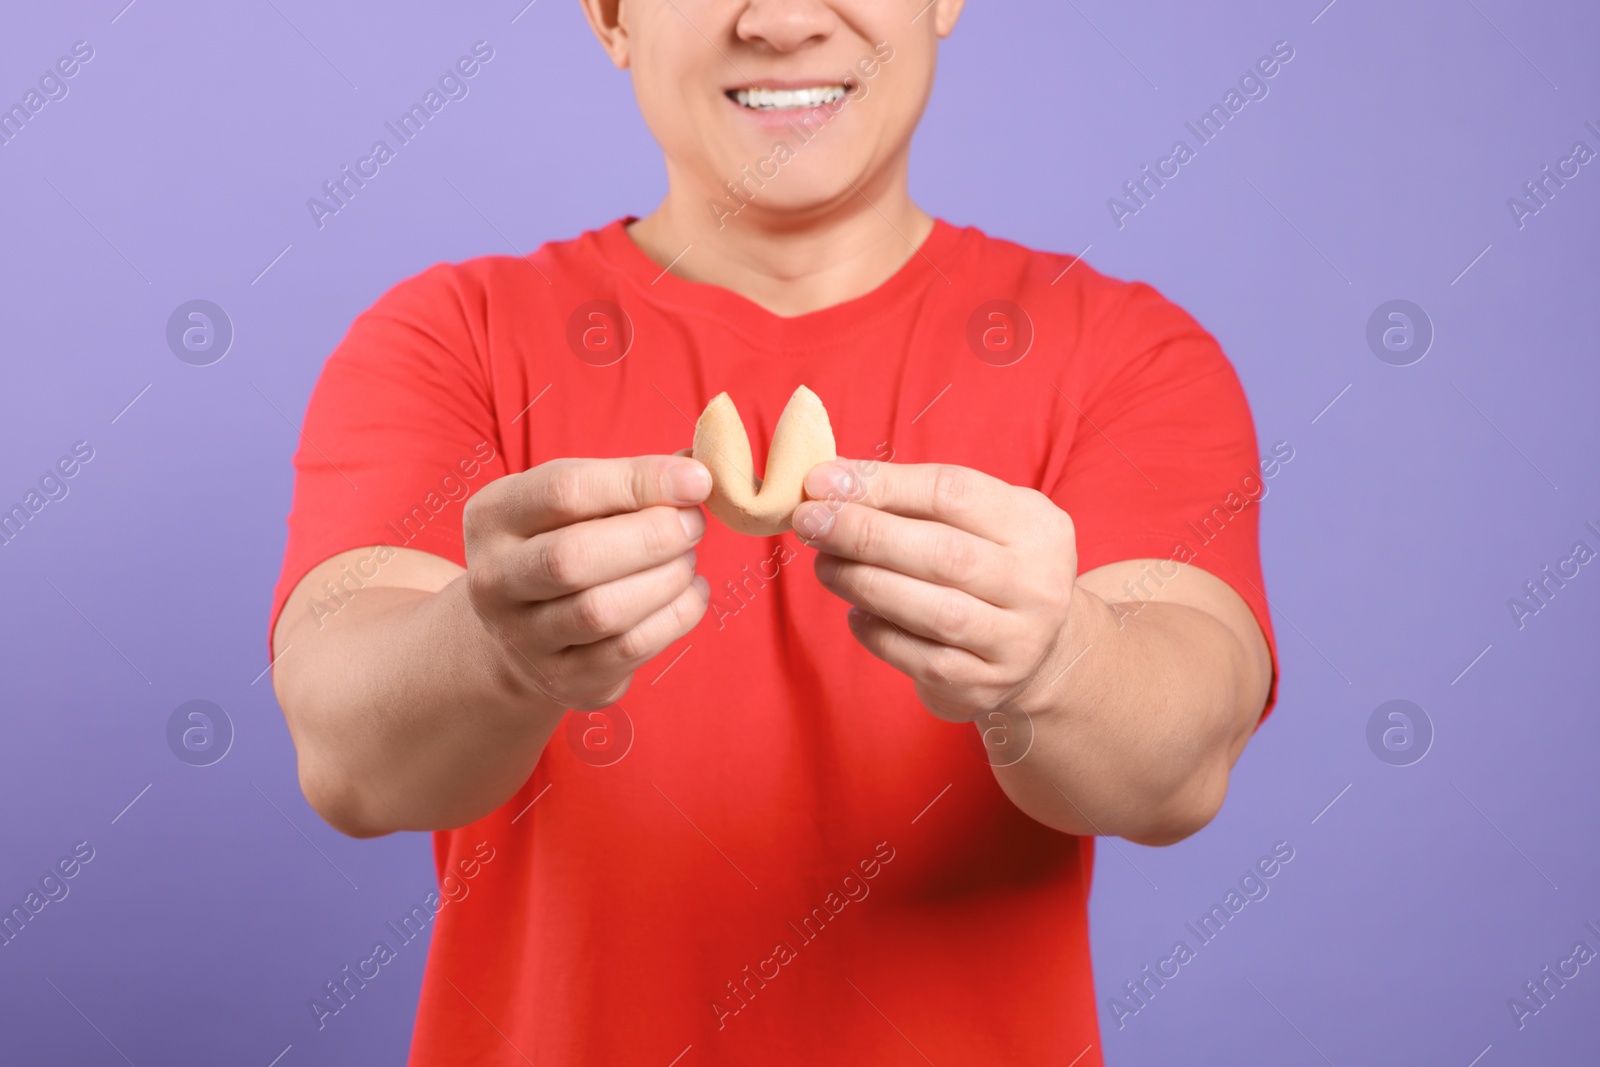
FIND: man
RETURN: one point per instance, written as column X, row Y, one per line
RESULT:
column 772, row 830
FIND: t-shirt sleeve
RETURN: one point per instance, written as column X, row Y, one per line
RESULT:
column 1163, row 462
column 399, row 432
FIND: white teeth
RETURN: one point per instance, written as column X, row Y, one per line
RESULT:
column 775, row 99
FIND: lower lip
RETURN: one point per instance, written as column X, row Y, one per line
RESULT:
column 781, row 117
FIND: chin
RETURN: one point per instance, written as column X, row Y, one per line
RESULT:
column 789, row 182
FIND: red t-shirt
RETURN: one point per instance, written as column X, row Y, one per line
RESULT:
column 769, row 851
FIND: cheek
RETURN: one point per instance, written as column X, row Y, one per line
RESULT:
column 674, row 95
column 903, row 86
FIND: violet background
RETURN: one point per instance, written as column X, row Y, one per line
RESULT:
column 1378, row 168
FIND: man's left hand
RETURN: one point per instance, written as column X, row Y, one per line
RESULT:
column 959, row 580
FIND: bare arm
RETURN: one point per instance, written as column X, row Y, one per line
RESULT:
column 422, row 699
column 1152, row 705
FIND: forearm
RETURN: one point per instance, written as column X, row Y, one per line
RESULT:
column 405, row 715
column 1136, row 738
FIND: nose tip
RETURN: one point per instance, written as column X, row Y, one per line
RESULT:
column 786, row 25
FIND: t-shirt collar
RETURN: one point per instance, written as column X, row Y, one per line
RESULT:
column 932, row 264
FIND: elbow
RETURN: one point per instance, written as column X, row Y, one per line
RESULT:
column 1171, row 833
column 340, row 804
column 1185, row 815
column 327, row 782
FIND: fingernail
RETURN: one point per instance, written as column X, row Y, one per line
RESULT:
column 689, row 482
column 855, row 617
column 827, row 567
column 813, row 520
column 844, row 481
column 691, row 557
column 831, row 480
column 694, row 524
column 703, row 586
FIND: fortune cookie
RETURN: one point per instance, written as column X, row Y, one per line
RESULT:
column 761, row 506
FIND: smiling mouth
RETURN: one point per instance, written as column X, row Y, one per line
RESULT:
column 760, row 99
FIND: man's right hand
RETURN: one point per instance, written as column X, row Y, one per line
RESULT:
column 426, row 696
column 581, row 570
